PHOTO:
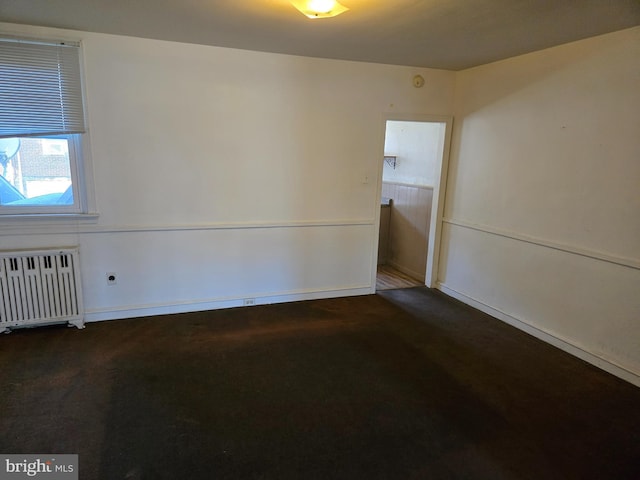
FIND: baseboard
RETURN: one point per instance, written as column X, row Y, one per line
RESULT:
column 133, row 311
column 547, row 337
column 407, row 271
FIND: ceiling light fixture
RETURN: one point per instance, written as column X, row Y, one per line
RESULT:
column 319, row 8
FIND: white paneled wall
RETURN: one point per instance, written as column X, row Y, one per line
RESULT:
column 410, row 217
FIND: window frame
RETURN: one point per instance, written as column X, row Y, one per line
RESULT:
column 82, row 184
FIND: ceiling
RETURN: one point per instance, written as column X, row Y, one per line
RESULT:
column 448, row 34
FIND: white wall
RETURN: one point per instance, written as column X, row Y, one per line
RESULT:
column 224, row 174
column 543, row 204
column 418, row 148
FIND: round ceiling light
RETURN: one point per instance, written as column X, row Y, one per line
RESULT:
column 319, row 8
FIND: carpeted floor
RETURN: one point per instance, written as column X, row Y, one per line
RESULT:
column 404, row 384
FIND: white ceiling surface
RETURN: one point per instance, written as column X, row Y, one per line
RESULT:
column 447, row 34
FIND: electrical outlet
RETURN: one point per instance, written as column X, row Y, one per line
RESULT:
column 112, row 279
column 249, row 302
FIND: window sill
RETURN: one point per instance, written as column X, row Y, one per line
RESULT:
column 12, row 224
column 49, row 216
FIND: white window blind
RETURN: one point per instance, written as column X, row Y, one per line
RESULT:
column 40, row 89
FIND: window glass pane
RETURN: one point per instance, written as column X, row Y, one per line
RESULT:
column 35, row 171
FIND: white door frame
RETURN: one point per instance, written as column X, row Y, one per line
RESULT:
column 439, row 192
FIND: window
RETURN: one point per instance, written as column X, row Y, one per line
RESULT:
column 41, row 128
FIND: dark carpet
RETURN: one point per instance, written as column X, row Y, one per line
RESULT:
column 404, row 384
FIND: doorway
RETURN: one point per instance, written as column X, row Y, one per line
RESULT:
column 412, row 180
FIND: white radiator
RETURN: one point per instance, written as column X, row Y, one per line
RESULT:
column 40, row 287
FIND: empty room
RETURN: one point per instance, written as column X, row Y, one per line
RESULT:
column 191, row 229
